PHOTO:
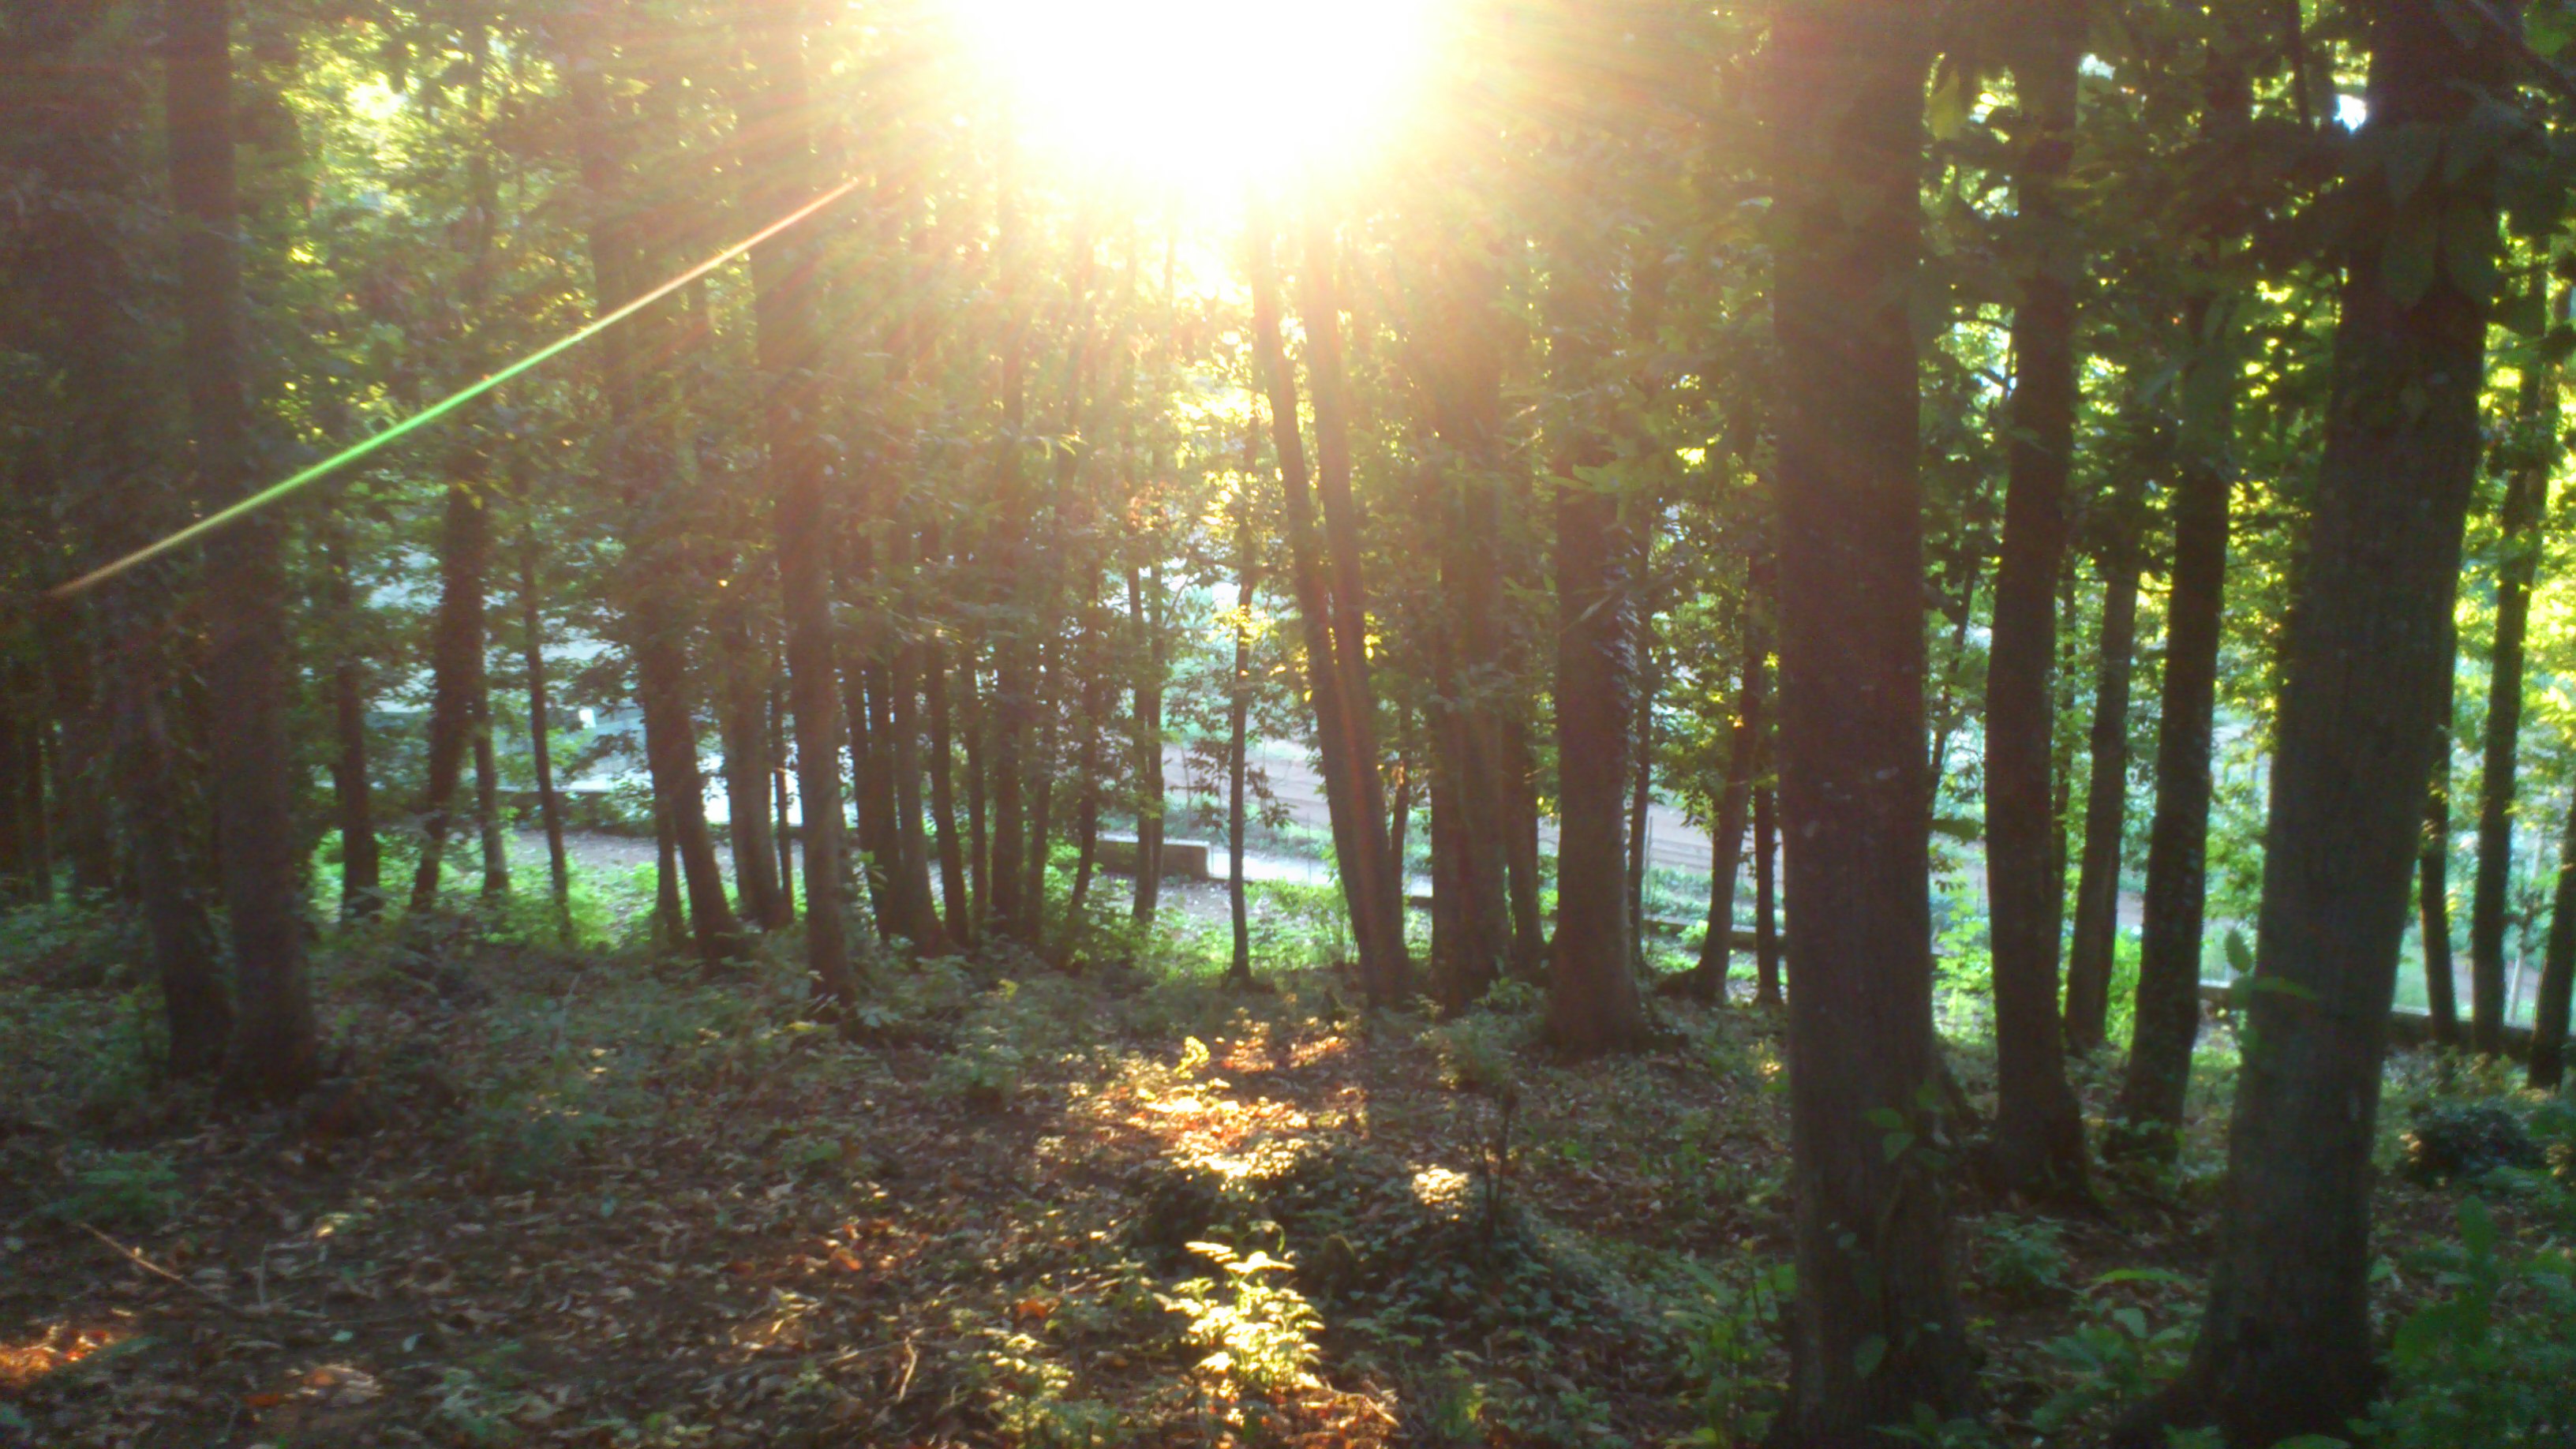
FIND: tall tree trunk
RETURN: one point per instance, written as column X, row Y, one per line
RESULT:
column 456, row 654
column 1518, row 792
column 1460, row 363
column 1875, row 1333
column 458, row 709
column 743, row 727
column 979, row 848
column 2287, row 1344
column 1592, row 1000
column 670, row 916
column 782, row 825
column 1238, row 709
column 779, row 166
column 2526, row 497
column 1148, row 744
column 532, row 649
column 1734, row 799
column 1641, row 800
column 362, row 890
column 2106, row 794
column 2153, row 1089
column 1385, row 966
column 487, row 799
column 1343, row 739
column 955, row 903
column 2433, row 890
column 276, row 1047
column 1766, row 915
column 2549, row 1008
column 2037, row 1146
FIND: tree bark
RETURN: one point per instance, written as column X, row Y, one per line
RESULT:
column 1238, row 710
column 2106, row 794
column 1734, row 800
column 780, row 166
column 532, row 649
column 2526, row 498
column 276, row 1047
column 2549, row 1007
column 2037, row 1145
column 1766, row 915
column 2153, row 1089
column 1875, row 1332
column 487, row 799
column 2433, row 890
column 362, row 890
column 1343, row 739
column 644, row 457
column 956, row 905
column 1385, row 966
column 2286, row 1346
column 743, row 727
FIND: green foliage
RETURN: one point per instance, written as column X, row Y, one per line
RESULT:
column 2492, row 1362
column 2022, row 1260
column 111, row 1189
column 1730, row 1339
column 1259, row 1332
column 2457, row 1139
column 2118, row 1354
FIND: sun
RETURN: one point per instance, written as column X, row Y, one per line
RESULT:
column 1200, row 96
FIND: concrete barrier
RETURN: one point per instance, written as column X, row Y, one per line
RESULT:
column 1187, row 859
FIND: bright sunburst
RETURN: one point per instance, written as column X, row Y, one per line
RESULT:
column 1198, row 95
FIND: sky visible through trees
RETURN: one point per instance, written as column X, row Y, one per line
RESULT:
column 1814, row 722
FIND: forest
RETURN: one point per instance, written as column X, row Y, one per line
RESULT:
column 1808, row 723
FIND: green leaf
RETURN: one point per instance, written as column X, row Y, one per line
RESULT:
column 1895, row 1144
column 1868, row 1354
column 1947, row 113
column 2240, row 956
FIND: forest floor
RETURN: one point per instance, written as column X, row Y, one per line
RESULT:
column 596, row 1198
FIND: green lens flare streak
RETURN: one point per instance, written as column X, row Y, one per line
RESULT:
column 435, row 411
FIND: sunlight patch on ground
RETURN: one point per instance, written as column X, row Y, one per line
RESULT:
column 56, row 1347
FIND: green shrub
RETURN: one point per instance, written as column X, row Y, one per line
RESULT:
column 136, row 1190
column 2023, row 1261
column 2493, row 1362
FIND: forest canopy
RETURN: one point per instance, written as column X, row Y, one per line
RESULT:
column 1818, row 722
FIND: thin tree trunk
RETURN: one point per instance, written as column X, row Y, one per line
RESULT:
column 670, row 924
column 2433, row 890
column 2106, row 796
column 782, row 829
column 2154, row 1087
column 2288, row 1344
column 1519, row 793
column 742, row 726
column 2526, row 498
column 1766, row 915
column 1247, row 588
column 1343, row 741
column 276, row 1046
column 2549, row 1008
column 532, row 648
column 1385, row 966
column 782, row 174
column 979, row 851
column 362, row 891
column 487, row 799
column 1641, row 799
column 1875, row 1335
column 2037, row 1146
column 954, row 900
column 1734, row 799
column 1148, row 748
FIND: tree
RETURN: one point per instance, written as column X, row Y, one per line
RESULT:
column 783, row 269
column 1876, row 1329
column 2106, row 794
column 2038, row 1142
column 2533, row 452
column 276, row 1047
column 2158, row 1076
column 2286, row 1345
